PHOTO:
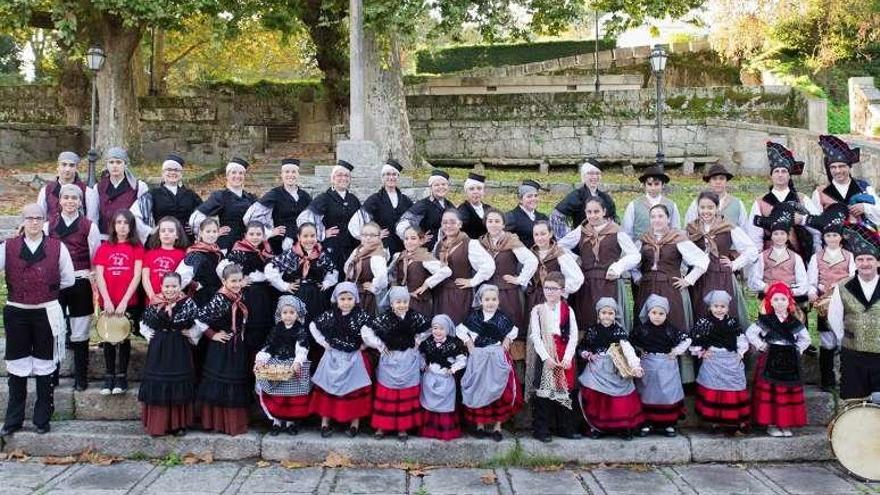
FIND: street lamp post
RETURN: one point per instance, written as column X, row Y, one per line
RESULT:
column 658, row 65
column 94, row 61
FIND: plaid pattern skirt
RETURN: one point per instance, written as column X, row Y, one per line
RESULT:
column 442, row 426
column 396, row 409
column 729, row 407
column 609, row 413
column 776, row 404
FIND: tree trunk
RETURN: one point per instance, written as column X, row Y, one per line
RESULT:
column 325, row 25
column 73, row 87
column 160, row 66
column 117, row 101
column 387, row 117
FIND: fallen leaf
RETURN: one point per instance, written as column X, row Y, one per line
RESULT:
column 548, row 468
column 420, row 472
column 288, row 464
column 97, row 458
column 489, row 478
column 15, row 455
column 59, row 461
column 336, row 460
column 207, row 458
column 263, row 464
column 189, row 460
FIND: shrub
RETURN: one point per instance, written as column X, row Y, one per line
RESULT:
column 459, row 58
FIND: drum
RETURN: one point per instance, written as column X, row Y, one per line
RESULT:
column 113, row 329
column 853, row 434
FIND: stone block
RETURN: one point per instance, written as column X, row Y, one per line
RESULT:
column 127, row 439
column 717, row 480
column 383, row 481
column 647, row 450
column 631, row 481
column 27, row 477
column 63, row 398
column 806, row 478
column 116, row 478
column 91, row 405
column 205, row 478
column 457, row 481
column 808, row 444
column 277, row 479
column 525, row 481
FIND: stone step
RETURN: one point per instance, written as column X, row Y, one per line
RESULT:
column 63, row 398
column 96, row 360
column 127, row 439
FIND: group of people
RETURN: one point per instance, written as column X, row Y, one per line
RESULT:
column 416, row 314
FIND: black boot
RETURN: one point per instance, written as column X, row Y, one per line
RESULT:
column 15, row 405
column 109, row 367
column 80, row 365
column 56, row 376
column 826, row 369
column 45, row 403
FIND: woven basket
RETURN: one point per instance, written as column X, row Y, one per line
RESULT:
column 274, row 372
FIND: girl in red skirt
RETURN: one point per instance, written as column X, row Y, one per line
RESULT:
column 609, row 401
column 780, row 337
column 660, row 388
column 444, row 355
column 718, row 340
column 166, row 248
column 343, row 387
column 286, row 402
column 489, row 388
column 396, row 404
column 167, row 389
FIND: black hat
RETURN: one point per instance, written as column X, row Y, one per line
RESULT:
column 439, row 173
column 344, row 164
column 477, row 177
column 532, row 183
column 656, row 172
column 240, row 161
column 175, row 158
column 858, row 244
column 391, row 162
column 833, row 217
column 716, row 169
column 289, row 161
column 781, row 217
column 837, row 151
column 781, row 157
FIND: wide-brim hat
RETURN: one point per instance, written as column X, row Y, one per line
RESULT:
column 717, row 169
column 654, row 171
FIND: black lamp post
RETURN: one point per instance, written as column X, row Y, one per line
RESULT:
column 658, row 65
column 94, row 61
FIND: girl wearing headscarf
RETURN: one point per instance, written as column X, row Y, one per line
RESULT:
column 367, row 268
column 609, row 401
column 550, row 366
column 470, row 263
column 551, row 258
column 306, row 270
column 228, row 204
column 606, row 253
column 489, row 388
column 226, row 389
column 718, row 340
column 444, row 355
column 416, row 269
column 168, row 385
column 117, row 189
column 286, row 402
column 780, row 338
column 398, row 329
column 660, row 388
column 514, row 266
column 343, row 387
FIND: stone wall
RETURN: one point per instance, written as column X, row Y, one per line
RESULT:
column 31, row 104
column 864, row 106
column 565, row 127
column 22, row 143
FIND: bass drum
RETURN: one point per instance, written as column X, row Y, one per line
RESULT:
column 853, row 434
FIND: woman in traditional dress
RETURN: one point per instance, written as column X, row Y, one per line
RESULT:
column 660, row 388
column 398, row 329
column 427, row 213
column 489, row 388
column 343, row 387
column 286, row 402
column 470, row 263
column 228, row 204
column 511, row 256
column 609, row 401
column 279, row 208
column 780, row 338
column 444, row 356
column 367, row 268
column 729, row 249
column 226, row 388
column 719, row 342
column 550, row 366
column 551, row 258
column 168, row 385
column 607, row 252
column 418, row 270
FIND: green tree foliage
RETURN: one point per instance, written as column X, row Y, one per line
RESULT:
column 10, row 63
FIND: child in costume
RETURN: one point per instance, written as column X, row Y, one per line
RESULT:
column 444, row 355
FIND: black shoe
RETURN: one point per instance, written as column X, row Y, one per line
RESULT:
column 570, row 436
column 9, row 430
column 595, row 434
column 479, row 433
column 378, row 435
column 180, row 433
column 544, row 438
column 326, row 432
column 42, row 430
column 626, row 435
column 402, row 437
column 497, row 436
column 645, row 431
column 275, row 430
column 291, row 429
column 670, row 432
column 352, row 432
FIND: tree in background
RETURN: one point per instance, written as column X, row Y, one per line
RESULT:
column 10, row 62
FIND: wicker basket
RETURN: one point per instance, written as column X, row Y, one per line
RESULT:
column 274, row 372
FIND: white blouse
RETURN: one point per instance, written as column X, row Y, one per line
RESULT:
column 552, row 325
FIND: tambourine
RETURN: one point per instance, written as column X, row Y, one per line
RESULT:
column 113, row 329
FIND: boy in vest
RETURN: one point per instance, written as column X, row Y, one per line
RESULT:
column 779, row 263
column 636, row 217
column 852, row 315
column 49, row 195
column 37, row 268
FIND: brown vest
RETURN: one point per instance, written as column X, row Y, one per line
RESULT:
column 460, row 265
column 596, row 266
column 779, row 272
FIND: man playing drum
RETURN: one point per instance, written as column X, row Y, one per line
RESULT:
column 852, row 315
column 37, row 268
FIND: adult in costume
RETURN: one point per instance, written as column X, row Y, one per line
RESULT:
column 730, row 207
column 637, row 216
column 117, row 189
column 384, row 207
column 521, row 220
column 426, row 212
column 169, row 199
column 473, row 209
column 569, row 213
column 50, row 194
column 228, row 205
column 37, row 268
column 279, row 208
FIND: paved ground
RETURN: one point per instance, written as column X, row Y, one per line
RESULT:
column 141, row 477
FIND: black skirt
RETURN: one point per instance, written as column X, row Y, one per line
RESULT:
column 259, row 297
column 168, row 378
column 226, row 375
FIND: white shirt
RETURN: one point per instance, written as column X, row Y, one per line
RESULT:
column 569, row 267
column 377, row 266
column 629, row 254
column 439, row 272
column 172, row 188
column 65, row 264
column 835, row 308
column 551, row 324
column 478, row 209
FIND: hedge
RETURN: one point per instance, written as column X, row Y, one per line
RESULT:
column 459, row 58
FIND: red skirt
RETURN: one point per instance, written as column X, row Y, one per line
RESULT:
column 349, row 407
column 723, row 406
column 663, row 415
column 162, row 420
column 442, row 426
column 287, row 408
column 776, row 404
column 504, row 408
column 230, row 420
column 396, row 409
column 607, row 413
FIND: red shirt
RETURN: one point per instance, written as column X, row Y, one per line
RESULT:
column 161, row 261
column 118, row 261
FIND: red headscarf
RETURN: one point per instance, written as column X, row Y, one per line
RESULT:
column 778, row 288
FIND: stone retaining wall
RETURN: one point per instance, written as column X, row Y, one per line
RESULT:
column 21, row 143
